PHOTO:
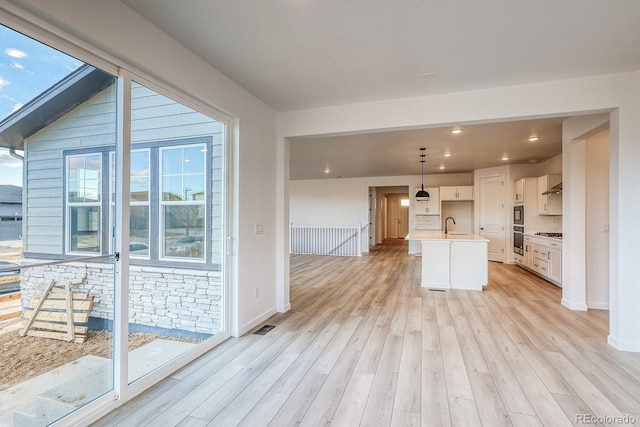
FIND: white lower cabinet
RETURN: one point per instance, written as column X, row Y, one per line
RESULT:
column 544, row 257
column 528, row 252
column 555, row 261
column 541, row 258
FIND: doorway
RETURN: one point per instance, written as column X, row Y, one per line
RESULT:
column 397, row 216
column 390, row 214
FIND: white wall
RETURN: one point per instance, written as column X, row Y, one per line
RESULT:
column 115, row 33
column 618, row 94
column 461, row 212
column 597, row 217
column 345, row 201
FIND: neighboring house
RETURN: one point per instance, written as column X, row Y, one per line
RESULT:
column 10, row 212
column 68, row 135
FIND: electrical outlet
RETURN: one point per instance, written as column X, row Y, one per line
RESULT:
column 259, row 229
column 256, row 292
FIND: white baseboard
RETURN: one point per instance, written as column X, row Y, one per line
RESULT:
column 623, row 346
column 283, row 309
column 574, row 306
column 253, row 323
column 598, row 305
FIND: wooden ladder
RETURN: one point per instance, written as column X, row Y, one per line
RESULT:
column 57, row 311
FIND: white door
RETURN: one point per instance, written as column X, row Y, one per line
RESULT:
column 403, row 218
column 491, row 207
column 393, row 204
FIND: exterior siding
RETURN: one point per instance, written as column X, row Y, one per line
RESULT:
column 89, row 125
column 155, row 118
column 178, row 299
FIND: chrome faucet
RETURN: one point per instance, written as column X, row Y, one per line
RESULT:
column 446, row 222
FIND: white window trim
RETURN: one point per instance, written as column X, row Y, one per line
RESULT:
column 162, row 203
column 69, row 205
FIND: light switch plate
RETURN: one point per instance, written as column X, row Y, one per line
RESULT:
column 259, row 229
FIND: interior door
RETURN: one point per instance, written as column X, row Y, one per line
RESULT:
column 393, row 203
column 403, row 218
column 491, row 221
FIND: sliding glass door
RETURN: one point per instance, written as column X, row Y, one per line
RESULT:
column 112, row 230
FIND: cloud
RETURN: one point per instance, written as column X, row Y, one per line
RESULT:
column 15, row 53
column 17, row 65
column 7, row 161
column 3, row 82
column 16, row 107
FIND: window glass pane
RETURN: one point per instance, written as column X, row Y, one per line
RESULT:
column 184, row 303
column 194, row 187
column 83, row 178
column 84, row 229
column 184, row 231
column 140, row 176
column 172, row 189
column 172, row 162
column 193, row 160
column 139, row 241
column 184, row 177
column 67, row 106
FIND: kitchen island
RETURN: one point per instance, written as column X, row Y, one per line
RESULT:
column 454, row 260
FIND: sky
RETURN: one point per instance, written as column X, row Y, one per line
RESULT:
column 27, row 68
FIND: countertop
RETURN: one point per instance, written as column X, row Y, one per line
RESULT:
column 557, row 239
column 440, row 235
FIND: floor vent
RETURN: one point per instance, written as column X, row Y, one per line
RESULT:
column 264, row 330
column 438, row 290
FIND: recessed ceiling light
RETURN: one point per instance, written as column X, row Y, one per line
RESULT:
column 505, row 157
column 428, row 74
column 441, row 167
column 456, row 131
column 327, row 170
column 447, row 154
column 533, row 138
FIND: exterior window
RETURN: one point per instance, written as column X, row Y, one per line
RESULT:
column 84, row 181
column 139, row 209
column 182, row 204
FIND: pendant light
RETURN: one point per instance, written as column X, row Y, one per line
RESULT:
column 421, row 195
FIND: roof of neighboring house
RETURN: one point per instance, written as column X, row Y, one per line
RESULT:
column 10, row 194
column 10, row 211
column 53, row 103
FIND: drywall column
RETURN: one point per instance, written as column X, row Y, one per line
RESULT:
column 575, row 130
column 574, row 281
column 597, row 210
column 283, row 230
column 624, row 205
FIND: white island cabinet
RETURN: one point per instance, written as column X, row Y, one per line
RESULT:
column 453, row 261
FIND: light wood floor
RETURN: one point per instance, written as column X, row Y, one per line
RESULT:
column 364, row 345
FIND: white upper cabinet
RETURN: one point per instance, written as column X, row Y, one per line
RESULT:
column 518, row 192
column 456, row 193
column 431, row 207
column 549, row 204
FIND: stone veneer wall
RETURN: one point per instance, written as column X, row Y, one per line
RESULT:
column 170, row 298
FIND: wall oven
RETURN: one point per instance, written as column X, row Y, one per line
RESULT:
column 518, row 215
column 518, row 239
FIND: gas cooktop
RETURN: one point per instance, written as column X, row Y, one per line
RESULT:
column 556, row 235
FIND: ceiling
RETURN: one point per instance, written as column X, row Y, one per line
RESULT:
column 397, row 153
column 300, row 54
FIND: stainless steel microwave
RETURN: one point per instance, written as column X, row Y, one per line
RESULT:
column 518, row 215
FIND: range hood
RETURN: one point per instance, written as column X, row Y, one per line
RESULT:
column 556, row 189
